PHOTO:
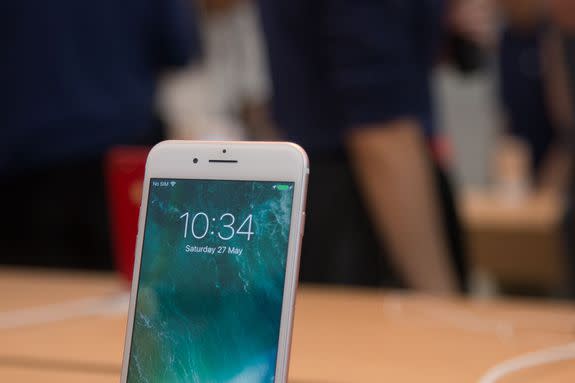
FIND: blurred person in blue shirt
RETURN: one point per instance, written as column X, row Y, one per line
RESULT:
column 352, row 84
column 537, row 70
column 76, row 77
column 533, row 51
column 523, row 94
column 524, row 81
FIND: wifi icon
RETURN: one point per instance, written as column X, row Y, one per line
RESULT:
column 173, row 183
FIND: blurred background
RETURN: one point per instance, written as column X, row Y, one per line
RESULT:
column 442, row 129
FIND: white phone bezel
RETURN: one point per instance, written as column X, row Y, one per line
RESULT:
column 256, row 161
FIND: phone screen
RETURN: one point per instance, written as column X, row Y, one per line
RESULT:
column 210, row 290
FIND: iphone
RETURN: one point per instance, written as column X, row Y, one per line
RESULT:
column 216, row 266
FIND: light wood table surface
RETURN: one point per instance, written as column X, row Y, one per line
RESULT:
column 519, row 244
column 340, row 335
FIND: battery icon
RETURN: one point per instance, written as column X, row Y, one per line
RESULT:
column 282, row 187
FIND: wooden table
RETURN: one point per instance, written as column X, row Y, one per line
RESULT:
column 520, row 245
column 340, row 335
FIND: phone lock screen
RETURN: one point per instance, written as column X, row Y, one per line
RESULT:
column 210, row 291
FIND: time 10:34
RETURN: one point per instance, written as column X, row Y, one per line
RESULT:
column 199, row 226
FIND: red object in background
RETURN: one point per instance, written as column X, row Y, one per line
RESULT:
column 125, row 167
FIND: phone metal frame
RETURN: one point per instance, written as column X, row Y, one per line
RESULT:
column 256, row 161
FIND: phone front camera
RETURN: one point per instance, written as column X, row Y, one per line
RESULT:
column 224, row 151
column 195, row 160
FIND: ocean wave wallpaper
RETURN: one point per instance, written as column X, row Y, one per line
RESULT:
column 211, row 282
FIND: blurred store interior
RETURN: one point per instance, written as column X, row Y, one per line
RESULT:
column 441, row 135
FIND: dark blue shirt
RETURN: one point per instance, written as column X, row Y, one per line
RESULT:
column 79, row 76
column 522, row 90
column 336, row 64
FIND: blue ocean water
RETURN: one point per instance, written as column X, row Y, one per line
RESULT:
column 206, row 317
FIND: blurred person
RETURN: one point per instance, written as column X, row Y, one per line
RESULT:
column 75, row 79
column 474, row 24
column 537, row 86
column 562, row 13
column 351, row 83
column 224, row 96
column 522, row 79
column 532, row 88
